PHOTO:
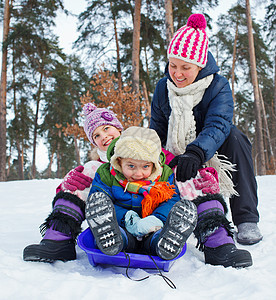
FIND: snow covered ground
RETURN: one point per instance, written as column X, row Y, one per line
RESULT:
column 24, row 206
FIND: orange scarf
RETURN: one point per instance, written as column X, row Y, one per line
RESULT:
column 154, row 192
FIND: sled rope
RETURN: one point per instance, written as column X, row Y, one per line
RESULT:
column 165, row 278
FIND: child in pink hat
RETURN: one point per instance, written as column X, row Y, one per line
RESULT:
column 101, row 127
column 62, row 226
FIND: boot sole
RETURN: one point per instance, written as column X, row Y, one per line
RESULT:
column 35, row 258
column 242, row 259
column 249, row 242
column 38, row 253
column 180, row 224
column 233, row 263
column 101, row 218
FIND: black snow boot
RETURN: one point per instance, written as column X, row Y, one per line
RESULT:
column 50, row 251
column 215, row 236
column 227, row 255
column 59, row 231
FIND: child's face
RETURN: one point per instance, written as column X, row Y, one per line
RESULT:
column 104, row 135
column 134, row 169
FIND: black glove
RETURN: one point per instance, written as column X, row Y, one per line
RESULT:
column 188, row 163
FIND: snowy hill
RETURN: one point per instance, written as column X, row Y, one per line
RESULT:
column 25, row 204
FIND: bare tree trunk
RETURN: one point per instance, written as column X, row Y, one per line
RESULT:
column 147, row 103
column 259, row 133
column 3, row 93
column 58, row 155
column 18, row 142
column 275, row 85
column 136, row 46
column 118, row 54
column 20, row 160
column 49, row 169
column 38, row 97
column 274, row 108
column 216, row 44
column 233, row 68
column 77, row 151
column 146, row 61
column 9, row 163
column 267, row 133
column 169, row 20
column 75, row 139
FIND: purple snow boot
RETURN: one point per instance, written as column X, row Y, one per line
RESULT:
column 59, row 231
column 215, row 236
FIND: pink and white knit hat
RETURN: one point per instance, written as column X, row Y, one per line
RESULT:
column 96, row 117
column 190, row 42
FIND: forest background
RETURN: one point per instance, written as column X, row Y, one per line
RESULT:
column 119, row 56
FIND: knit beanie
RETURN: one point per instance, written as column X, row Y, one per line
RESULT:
column 190, row 42
column 138, row 143
column 96, row 117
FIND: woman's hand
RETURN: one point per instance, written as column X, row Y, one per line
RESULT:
column 188, row 163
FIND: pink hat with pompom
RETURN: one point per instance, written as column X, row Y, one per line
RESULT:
column 190, row 42
column 96, row 117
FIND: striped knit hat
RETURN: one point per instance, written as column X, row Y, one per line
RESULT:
column 96, row 117
column 190, row 42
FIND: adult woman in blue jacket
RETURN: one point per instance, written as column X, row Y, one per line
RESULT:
column 192, row 111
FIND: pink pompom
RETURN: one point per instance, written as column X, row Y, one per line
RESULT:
column 88, row 108
column 197, row 21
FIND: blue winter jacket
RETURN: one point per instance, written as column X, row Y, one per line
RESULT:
column 213, row 114
column 123, row 201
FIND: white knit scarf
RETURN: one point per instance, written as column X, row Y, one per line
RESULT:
column 102, row 155
column 182, row 128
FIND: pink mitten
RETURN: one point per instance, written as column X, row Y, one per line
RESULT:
column 208, row 182
column 75, row 180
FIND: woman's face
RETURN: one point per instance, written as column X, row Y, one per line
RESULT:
column 182, row 73
column 104, row 135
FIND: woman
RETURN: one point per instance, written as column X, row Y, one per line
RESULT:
column 192, row 111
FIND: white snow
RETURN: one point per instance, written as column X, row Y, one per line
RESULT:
column 25, row 204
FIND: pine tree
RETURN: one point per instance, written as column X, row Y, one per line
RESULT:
column 62, row 105
column 3, row 93
column 30, row 45
column 233, row 58
column 270, row 28
column 259, row 133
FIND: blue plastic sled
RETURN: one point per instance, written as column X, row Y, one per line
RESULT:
column 87, row 243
